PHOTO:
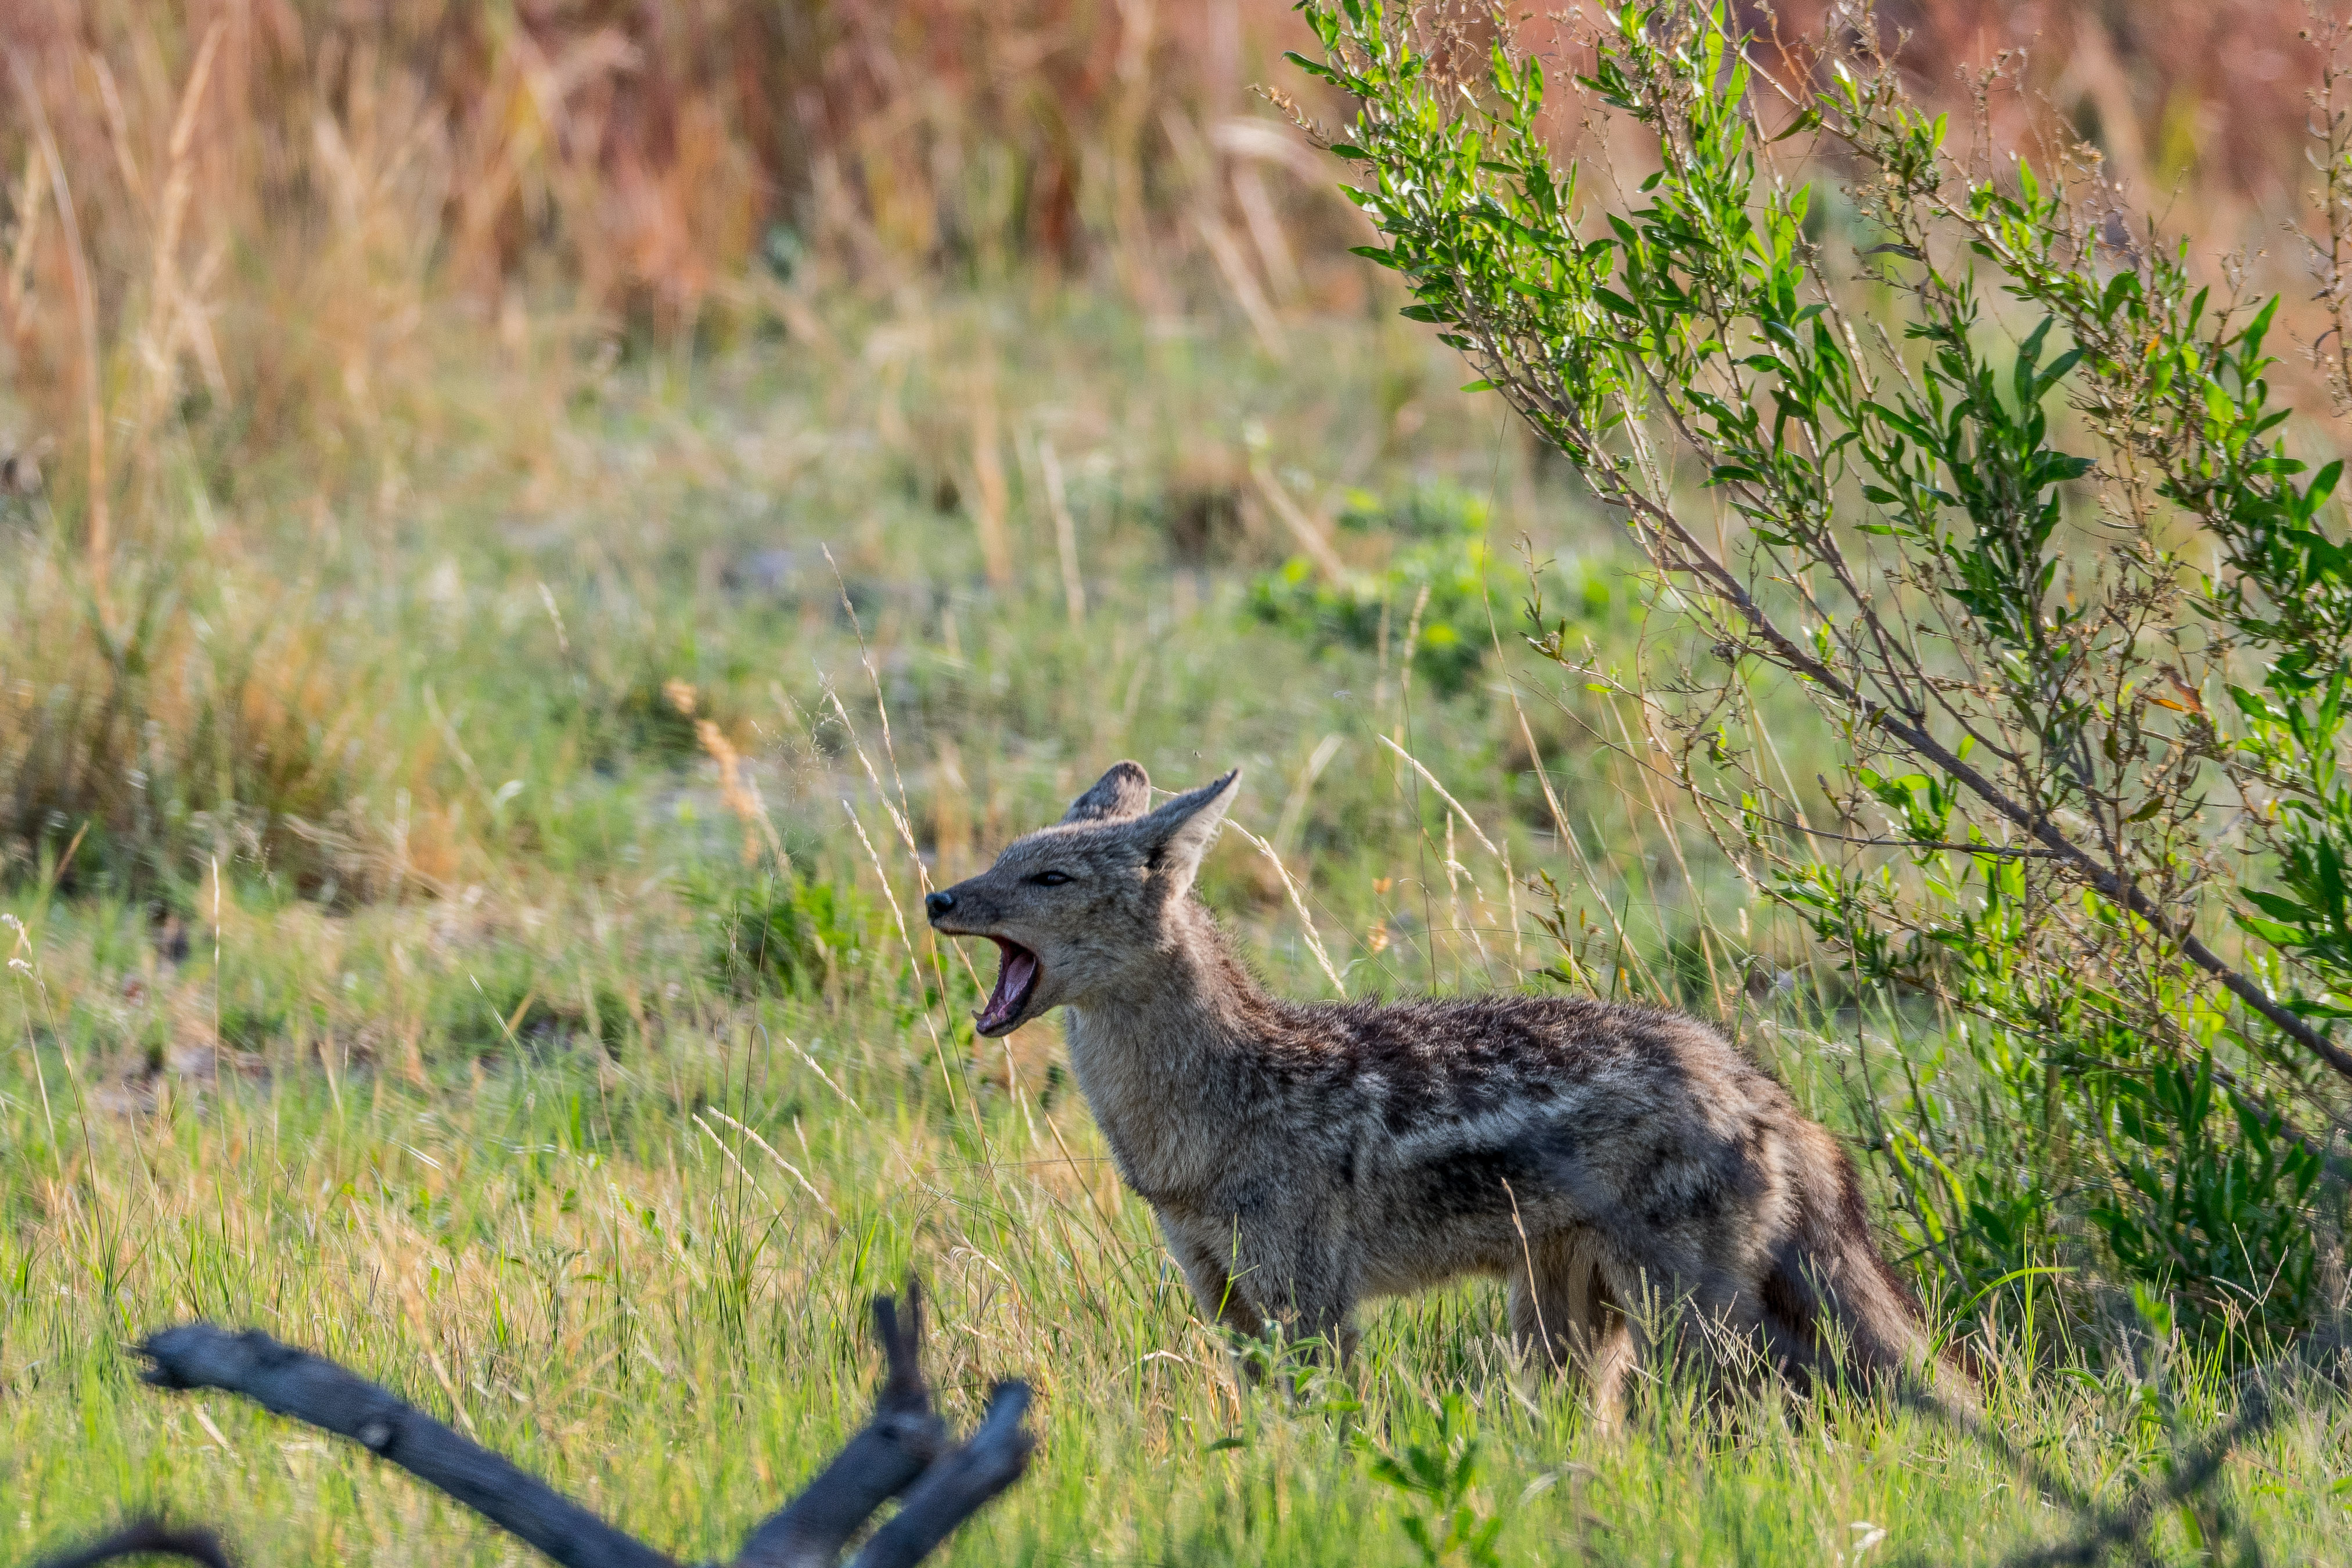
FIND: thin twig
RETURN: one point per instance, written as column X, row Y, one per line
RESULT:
column 1297, row 902
column 1510, row 881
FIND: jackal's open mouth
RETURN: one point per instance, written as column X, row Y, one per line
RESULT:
column 1017, row 975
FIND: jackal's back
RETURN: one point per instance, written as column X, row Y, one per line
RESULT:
column 1442, row 1062
column 1450, row 1125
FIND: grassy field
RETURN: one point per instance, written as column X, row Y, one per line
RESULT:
column 486, row 963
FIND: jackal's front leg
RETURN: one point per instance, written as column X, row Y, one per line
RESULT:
column 1303, row 1279
column 1210, row 1268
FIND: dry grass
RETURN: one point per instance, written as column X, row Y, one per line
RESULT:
column 192, row 717
column 233, row 233
column 180, row 190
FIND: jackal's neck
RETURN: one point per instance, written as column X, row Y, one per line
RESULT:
column 1157, row 1057
column 1191, row 997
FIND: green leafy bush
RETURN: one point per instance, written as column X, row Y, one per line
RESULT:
column 2032, row 543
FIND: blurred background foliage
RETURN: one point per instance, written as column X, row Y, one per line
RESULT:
column 262, row 242
column 665, row 169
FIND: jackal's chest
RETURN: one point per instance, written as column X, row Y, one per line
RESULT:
column 1156, row 1140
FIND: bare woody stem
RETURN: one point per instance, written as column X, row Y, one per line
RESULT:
column 902, row 1440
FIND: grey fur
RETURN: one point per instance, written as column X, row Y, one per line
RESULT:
column 1301, row 1157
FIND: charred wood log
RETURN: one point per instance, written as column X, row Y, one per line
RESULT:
column 904, row 1451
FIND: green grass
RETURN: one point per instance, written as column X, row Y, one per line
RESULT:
column 657, row 1313
column 454, row 1086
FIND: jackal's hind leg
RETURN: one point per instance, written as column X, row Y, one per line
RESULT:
column 1711, row 1308
column 1603, row 1337
column 1564, row 1318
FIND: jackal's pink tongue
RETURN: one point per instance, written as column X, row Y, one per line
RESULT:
column 1016, row 975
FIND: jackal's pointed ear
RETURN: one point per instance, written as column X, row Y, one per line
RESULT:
column 1120, row 794
column 1179, row 832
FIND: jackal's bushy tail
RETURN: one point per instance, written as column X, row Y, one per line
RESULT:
column 1864, row 1320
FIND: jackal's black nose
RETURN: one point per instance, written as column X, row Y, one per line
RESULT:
column 938, row 903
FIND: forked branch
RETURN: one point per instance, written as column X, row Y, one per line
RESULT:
column 905, row 1451
column 147, row 1538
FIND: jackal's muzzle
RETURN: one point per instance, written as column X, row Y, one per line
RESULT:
column 1017, row 970
column 1017, row 973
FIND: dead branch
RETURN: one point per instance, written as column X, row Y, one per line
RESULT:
column 958, row 1486
column 288, row 1382
column 904, row 1439
column 904, row 1450
column 148, row 1538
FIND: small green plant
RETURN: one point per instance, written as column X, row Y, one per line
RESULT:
column 781, row 929
column 2029, row 538
column 1436, row 1481
column 1431, row 594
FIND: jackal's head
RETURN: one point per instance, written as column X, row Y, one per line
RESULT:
column 1073, row 908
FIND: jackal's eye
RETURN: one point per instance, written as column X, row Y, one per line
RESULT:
column 1049, row 878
